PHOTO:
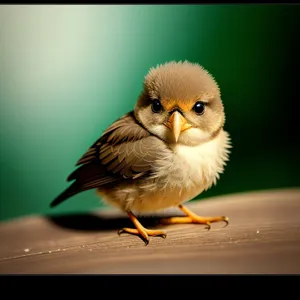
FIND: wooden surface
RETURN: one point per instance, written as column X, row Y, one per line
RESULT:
column 263, row 237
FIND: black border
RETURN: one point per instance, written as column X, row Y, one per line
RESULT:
column 144, row 286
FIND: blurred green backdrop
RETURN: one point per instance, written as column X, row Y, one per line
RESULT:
column 67, row 72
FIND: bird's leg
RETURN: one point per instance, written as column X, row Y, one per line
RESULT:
column 140, row 230
column 194, row 218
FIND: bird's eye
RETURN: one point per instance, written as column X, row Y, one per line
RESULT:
column 199, row 108
column 156, row 106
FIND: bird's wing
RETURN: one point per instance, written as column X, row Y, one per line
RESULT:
column 126, row 150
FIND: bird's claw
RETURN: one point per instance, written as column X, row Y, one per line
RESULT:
column 146, row 241
column 163, row 235
column 143, row 234
column 226, row 221
column 120, row 231
column 208, row 226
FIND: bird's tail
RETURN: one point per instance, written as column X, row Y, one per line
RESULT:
column 69, row 192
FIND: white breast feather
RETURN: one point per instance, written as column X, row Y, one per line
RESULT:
column 198, row 167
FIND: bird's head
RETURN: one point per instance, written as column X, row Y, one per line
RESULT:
column 180, row 103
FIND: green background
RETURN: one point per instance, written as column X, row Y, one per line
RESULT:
column 67, row 72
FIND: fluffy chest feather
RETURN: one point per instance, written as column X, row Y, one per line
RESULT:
column 201, row 165
column 185, row 173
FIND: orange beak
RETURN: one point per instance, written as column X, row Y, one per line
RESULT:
column 177, row 123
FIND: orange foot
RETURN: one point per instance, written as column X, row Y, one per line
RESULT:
column 192, row 218
column 140, row 230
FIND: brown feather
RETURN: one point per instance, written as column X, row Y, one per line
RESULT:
column 126, row 150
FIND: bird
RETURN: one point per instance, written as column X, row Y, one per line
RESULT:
column 171, row 147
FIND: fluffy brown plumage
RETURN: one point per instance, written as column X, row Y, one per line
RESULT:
column 166, row 151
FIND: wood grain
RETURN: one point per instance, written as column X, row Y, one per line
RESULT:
column 263, row 237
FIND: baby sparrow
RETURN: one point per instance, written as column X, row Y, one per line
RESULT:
column 170, row 148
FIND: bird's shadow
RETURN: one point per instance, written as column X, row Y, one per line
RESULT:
column 92, row 222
